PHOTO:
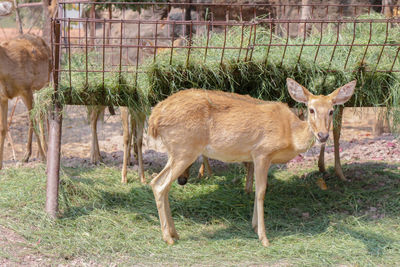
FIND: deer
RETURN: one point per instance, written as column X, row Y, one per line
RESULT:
column 226, row 127
column 25, row 67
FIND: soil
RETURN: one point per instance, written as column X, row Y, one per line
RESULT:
column 356, row 143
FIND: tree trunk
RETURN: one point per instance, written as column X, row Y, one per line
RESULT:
column 46, row 21
column 18, row 17
column 305, row 14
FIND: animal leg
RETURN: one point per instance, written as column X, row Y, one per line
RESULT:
column 204, row 165
column 161, row 185
column 336, row 136
column 139, row 125
column 127, row 137
column 3, row 127
column 201, row 170
column 261, row 166
column 28, row 151
column 42, row 133
column 28, row 100
column 321, row 160
column 94, row 113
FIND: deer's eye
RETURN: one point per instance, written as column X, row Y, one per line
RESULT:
column 312, row 111
column 331, row 113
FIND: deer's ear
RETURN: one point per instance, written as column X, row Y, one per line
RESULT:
column 297, row 91
column 344, row 93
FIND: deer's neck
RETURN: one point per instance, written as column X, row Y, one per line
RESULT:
column 303, row 138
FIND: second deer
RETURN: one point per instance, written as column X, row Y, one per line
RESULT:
column 222, row 126
column 25, row 67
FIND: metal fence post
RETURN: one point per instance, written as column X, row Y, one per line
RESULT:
column 55, row 123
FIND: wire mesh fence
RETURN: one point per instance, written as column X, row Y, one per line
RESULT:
column 161, row 47
column 27, row 18
column 120, row 37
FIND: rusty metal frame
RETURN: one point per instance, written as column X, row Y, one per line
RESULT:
column 64, row 42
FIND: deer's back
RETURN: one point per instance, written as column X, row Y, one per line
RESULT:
column 26, row 64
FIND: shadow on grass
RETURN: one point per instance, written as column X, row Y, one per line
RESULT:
column 292, row 204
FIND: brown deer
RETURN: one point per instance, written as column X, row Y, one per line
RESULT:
column 25, row 67
column 223, row 126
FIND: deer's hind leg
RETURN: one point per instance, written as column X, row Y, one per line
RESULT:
column 336, row 136
column 3, row 127
column 161, row 185
column 139, row 127
column 127, row 138
column 204, row 165
column 28, row 101
column 94, row 113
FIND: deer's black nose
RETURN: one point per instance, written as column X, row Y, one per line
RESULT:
column 322, row 137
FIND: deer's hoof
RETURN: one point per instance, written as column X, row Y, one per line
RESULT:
column 169, row 240
column 95, row 160
column 265, row 242
column 26, row 157
column 175, row 235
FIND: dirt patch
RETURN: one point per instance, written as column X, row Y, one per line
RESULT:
column 16, row 251
column 357, row 141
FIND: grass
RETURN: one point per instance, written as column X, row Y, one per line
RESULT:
column 105, row 222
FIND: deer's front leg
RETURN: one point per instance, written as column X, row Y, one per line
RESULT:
column 261, row 166
column 139, row 126
column 321, row 159
column 3, row 127
column 28, row 101
column 95, row 156
column 127, row 143
column 337, row 126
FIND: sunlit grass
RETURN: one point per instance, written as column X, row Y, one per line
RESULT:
column 104, row 221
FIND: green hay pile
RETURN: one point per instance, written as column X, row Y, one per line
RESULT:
column 248, row 71
column 79, row 88
column 265, row 78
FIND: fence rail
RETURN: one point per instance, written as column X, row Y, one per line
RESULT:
column 116, row 44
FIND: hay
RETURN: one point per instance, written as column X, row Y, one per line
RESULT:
column 264, row 78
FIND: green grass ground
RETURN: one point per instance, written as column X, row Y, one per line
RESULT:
column 104, row 222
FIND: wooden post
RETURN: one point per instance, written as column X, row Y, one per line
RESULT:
column 108, row 30
column 305, row 14
column 386, row 8
column 92, row 25
column 188, row 16
column 55, row 123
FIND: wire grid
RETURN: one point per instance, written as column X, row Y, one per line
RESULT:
column 31, row 19
column 120, row 37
